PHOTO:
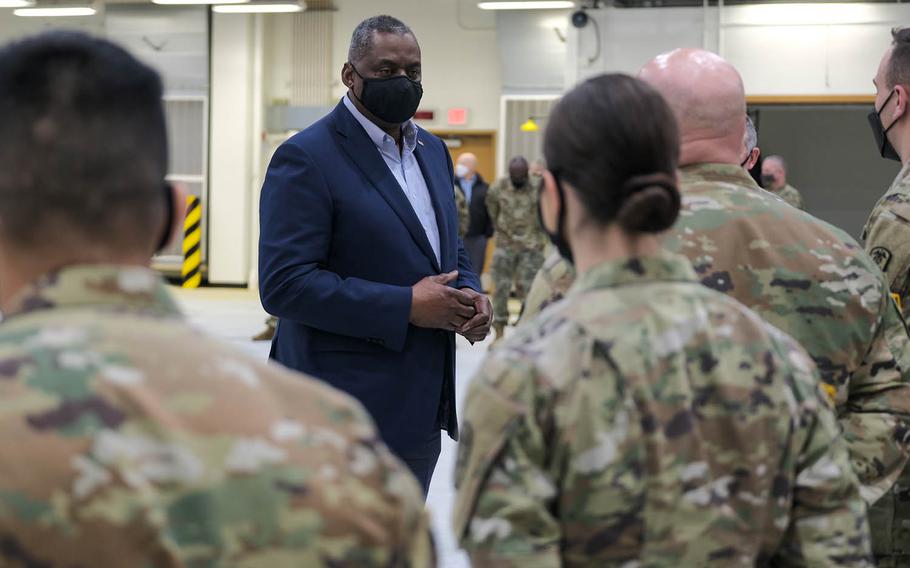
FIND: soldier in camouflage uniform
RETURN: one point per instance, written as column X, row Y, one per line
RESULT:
column 646, row 420
column 774, row 179
column 464, row 214
column 887, row 240
column 799, row 273
column 131, row 440
column 512, row 204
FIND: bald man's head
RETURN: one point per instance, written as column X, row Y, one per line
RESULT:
column 706, row 94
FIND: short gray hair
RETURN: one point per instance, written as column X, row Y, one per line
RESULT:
column 362, row 38
column 750, row 140
column 779, row 159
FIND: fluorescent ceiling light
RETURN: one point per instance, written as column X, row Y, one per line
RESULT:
column 16, row 3
column 530, row 5
column 196, row 2
column 261, row 8
column 55, row 12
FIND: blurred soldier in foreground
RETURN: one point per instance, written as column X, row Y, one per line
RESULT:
column 646, row 420
column 774, row 179
column 887, row 236
column 129, row 439
column 512, row 203
column 802, row 275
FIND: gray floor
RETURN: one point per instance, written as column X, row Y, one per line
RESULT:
column 236, row 315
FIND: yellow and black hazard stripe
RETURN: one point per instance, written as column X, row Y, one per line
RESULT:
column 192, row 243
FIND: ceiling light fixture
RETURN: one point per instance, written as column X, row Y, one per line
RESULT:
column 16, row 3
column 531, row 5
column 261, row 8
column 196, row 2
column 55, row 12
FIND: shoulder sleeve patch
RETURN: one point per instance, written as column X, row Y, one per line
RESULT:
column 882, row 257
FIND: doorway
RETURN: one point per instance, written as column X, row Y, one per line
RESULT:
column 481, row 143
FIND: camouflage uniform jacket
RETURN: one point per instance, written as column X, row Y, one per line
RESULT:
column 887, row 237
column 132, row 440
column 651, row 421
column 550, row 285
column 513, row 213
column 464, row 214
column 791, row 195
column 814, row 282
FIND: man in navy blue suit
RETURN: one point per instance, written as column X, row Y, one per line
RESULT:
column 359, row 251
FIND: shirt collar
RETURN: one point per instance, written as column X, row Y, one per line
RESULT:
column 378, row 135
column 723, row 173
column 109, row 287
column 661, row 267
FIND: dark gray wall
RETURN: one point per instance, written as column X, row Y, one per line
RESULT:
column 831, row 157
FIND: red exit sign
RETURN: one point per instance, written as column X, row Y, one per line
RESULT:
column 458, row 116
column 424, row 115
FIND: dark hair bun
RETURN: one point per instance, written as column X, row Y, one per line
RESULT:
column 651, row 204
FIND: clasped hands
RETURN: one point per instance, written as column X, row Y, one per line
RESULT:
column 434, row 304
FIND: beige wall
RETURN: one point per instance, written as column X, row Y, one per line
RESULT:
column 461, row 67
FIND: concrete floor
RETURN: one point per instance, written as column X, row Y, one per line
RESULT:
column 236, row 315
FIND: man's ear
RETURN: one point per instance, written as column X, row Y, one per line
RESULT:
column 900, row 107
column 347, row 75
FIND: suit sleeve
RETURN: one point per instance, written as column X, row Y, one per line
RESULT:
column 295, row 216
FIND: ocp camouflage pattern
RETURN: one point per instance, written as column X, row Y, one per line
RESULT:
column 131, row 440
column 814, row 282
column 647, row 420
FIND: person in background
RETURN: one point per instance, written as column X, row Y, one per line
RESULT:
column 464, row 214
column 774, row 179
column 359, row 251
column 750, row 145
column 646, row 419
column 537, row 169
column 474, row 190
column 129, row 439
column 512, row 203
column 271, row 324
column 887, row 240
column 778, row 261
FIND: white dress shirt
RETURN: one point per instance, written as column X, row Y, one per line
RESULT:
column 406, row 169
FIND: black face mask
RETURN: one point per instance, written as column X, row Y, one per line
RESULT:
column 393, row 100
column 743, row 164
column 519, row 182
column 558, row 238
column 767, row 181
column 885, row 148
column 168, row 218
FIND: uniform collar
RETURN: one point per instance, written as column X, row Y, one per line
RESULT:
column 109, row 287
column 661, row 267
column 724, row 173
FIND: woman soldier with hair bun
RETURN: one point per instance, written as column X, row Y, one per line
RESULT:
column 645, row 419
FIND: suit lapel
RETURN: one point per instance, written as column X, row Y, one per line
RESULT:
column 364, row 153
column 424, row 158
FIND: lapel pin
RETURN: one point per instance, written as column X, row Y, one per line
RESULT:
column 420, row 142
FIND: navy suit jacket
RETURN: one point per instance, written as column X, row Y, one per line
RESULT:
column 340, row 247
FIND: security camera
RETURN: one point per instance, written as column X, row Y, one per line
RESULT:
column 580, row 19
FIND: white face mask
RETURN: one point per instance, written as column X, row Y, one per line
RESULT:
column 461, row 170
